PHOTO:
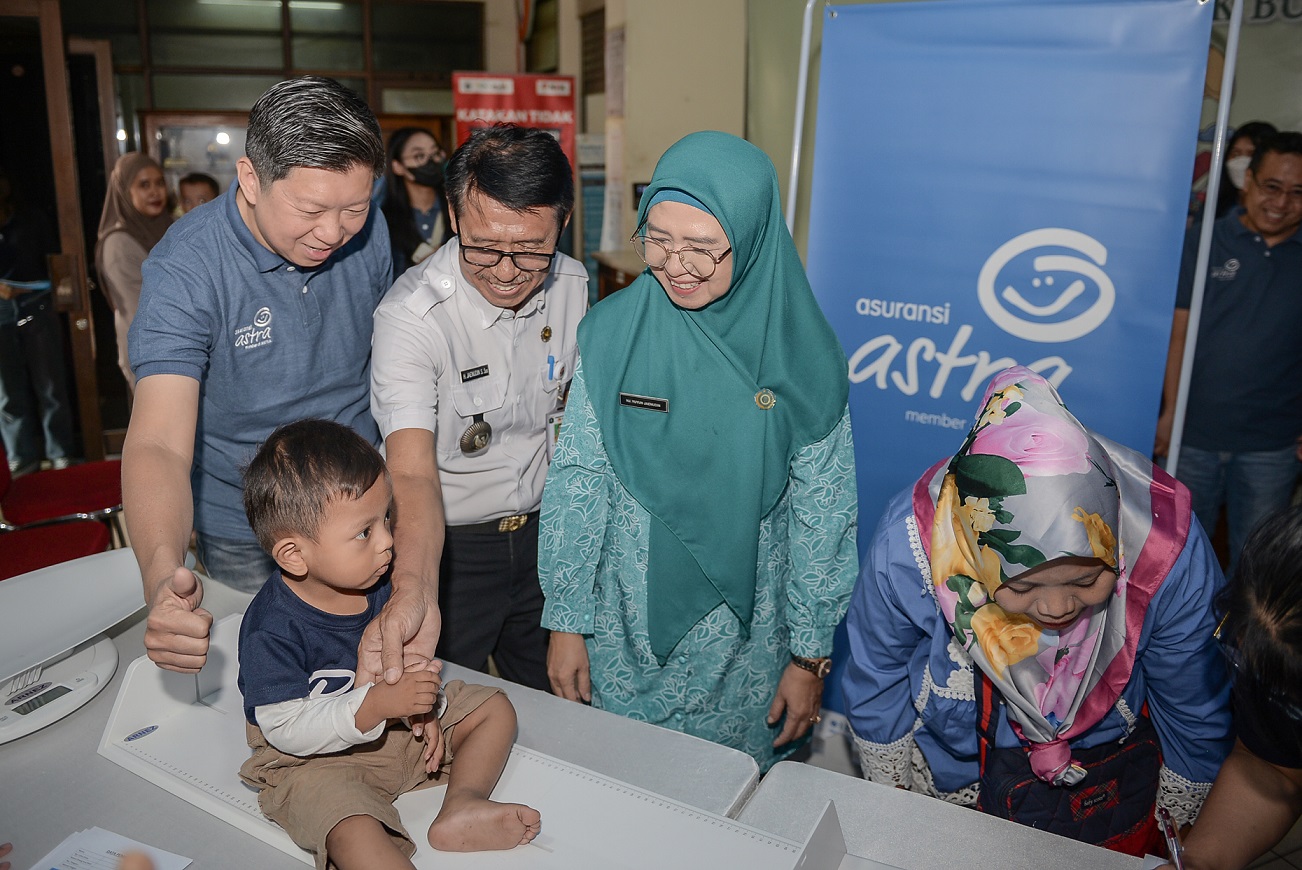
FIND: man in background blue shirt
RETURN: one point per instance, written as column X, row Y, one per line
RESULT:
column 1244, row 417
column 256, row 311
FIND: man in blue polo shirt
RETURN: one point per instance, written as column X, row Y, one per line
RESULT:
column 1244, row 417
column 256, row 310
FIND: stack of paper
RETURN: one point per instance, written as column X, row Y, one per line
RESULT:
column 98, row 849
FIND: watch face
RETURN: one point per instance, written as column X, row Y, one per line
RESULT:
column 824, row 668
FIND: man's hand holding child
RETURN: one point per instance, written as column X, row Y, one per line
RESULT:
column 415, row 694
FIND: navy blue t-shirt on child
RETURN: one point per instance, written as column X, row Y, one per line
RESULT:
column 290, row 649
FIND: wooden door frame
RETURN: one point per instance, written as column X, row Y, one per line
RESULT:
column 68, row 268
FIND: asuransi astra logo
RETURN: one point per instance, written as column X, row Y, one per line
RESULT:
column 256, row 334
column 1033, row 309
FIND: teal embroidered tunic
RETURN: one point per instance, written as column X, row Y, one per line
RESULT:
column 718, row 683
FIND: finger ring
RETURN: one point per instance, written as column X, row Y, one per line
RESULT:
column 816, row 719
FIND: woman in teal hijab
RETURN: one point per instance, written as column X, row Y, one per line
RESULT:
column 698, row 524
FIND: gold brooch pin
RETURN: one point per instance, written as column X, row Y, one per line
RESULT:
column 546, row 333
column 765, row 399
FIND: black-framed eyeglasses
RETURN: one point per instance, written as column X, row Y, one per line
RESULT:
column 525, row 261
column 699, row 263
column 1249, row 686
column 1272, row 189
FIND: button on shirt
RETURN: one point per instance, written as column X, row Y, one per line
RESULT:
column 269, row 342
column 444, row 354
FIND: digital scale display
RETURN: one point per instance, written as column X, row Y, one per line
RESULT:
column 41, row 700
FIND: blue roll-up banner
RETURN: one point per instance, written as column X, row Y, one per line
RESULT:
column 1000, row 182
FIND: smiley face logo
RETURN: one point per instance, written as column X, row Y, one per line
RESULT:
column 262, row 318
column 1050, row 301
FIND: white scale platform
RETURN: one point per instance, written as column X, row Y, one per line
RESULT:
column 53, row 657
column 187, row 737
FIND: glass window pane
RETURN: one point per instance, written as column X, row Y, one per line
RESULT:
column 415, row 101
column 327, row 35
column 231, row 92
column 205, row 15
column 427, row 38
column 114, row 20
column 329, row 52
column 245, row 51
column 208, row 149
column 131, row 99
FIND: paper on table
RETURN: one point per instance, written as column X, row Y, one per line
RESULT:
column 98, row 849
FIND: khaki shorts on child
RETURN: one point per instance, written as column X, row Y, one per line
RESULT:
column 309, row 796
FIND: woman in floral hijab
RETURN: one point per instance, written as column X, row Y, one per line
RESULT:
column 1069, row 570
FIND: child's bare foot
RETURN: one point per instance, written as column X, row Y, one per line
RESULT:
column 479, row 825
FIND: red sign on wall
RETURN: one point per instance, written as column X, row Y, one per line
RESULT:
column 547, row 102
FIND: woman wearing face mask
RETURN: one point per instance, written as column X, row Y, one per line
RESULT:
column 414, row 205
column 135, row 218
column 1034, row 624
column 1238, row 154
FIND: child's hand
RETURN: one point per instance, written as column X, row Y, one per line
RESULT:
column 416, row 692
column 433, row 737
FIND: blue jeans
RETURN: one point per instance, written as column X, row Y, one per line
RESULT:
column 35, row 414
column 241, row 565
column 1250, row 485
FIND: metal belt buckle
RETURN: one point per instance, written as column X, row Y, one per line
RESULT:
column 513, row 523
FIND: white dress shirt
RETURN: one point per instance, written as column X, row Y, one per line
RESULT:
column 443, row 354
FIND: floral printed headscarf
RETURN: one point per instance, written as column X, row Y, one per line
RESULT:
column 1031, row 484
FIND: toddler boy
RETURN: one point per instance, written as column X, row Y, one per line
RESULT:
column 330, row 757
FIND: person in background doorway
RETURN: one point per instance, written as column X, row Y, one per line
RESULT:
column 415, row 203
column 194, row 190
column 133, row 221
column 35, row 413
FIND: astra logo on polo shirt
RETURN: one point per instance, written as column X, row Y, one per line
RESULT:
column 1227, row 271
column 257, row 333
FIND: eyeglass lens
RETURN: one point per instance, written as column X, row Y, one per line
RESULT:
column 525, row 261
column 698, row 263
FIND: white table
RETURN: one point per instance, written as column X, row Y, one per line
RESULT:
column 910, row 830
column 53, row 783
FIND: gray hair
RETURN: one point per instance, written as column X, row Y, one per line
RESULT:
column 312, row 122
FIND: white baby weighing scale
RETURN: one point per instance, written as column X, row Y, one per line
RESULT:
column 54, row 655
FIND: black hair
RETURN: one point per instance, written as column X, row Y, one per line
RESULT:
column 404, row 235
column 1263, row 603
column 1287, row 142
column 299, row 471
column 200, row 178
column 523, row 168
column 312, row 122
column 1257, row 132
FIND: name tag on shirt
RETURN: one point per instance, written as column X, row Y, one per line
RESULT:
column 474, row 374
column 649, row 403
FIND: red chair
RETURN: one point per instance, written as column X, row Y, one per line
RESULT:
column 91, row 491
column 27, row 549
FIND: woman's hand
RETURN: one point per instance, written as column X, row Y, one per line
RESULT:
column 567, row 667
column 799, row 696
